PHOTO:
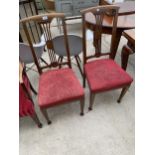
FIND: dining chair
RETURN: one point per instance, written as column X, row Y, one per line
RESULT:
column 26, row 104
column 56, row 85
column 103, row 74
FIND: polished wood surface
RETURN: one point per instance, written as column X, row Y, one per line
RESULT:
column 125, row 22
column 126, row 17
column 127, row 7
column 129, row 48
column 130, row 35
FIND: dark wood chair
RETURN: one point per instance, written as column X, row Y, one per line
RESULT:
column 103, row 74
column 56, row 86
column 129, row 48
column 26, row 104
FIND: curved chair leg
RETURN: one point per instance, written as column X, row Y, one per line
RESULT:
column 123, row 92
column 77, row 58
column 82, row 107
column 126, row 51
column 31, row 87
column 44, row 112
column 43, row 61
column 92, row 97
column 36, row 120
column 34, row 91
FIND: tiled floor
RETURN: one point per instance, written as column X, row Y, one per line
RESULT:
column 107, row 130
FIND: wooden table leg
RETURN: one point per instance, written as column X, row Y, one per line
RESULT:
column 126, row 51
column 116, row 43
column 97, row 41
column 97, row 44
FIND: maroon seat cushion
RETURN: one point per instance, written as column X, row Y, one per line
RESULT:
column 105, row 74
column 58, row 86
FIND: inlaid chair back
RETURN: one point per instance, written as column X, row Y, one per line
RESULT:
column 102, row 14
column 45, row 22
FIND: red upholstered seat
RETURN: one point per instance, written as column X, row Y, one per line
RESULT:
column 105, row 74
column 58, row 86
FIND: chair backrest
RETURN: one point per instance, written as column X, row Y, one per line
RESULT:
column 29, row 8
column 45, row 22
column 101, row 14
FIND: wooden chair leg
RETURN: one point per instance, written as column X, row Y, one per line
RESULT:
column 44, row 61
column 126, row 51
column 78, row 58
column 34, row 91
column 44, row 49
column 36, row 120
column 44, row 112
column 82, row 107
column 31, row 87
column 123, row 92
column 78, row 63
column 60, row 59
column 92, row 97
column 84, row 80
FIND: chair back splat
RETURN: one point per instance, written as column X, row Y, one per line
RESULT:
column 101, row 14
column 45, row 22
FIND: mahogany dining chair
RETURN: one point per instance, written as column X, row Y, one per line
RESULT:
column 103, row 74
column 56, row 85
